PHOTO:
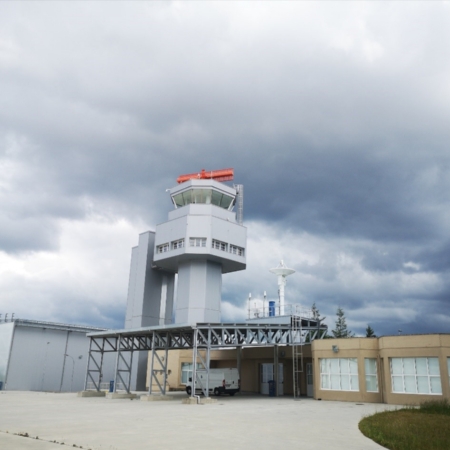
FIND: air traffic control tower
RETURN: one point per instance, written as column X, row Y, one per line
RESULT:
column 202, row 239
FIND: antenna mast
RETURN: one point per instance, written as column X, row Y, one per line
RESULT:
column 240, row 203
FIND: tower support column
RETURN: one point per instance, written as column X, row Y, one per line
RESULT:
column 199, row 292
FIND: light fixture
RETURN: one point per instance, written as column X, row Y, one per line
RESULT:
column 335, row 348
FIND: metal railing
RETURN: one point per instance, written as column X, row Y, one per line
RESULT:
column 260, row 309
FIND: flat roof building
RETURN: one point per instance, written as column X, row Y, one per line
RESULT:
column 45, row 356
column 406, row 369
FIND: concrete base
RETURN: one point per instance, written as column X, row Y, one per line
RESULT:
column 156, row 398
column 116, row 395
column 208, row 400
column 91, row 394
column 202, row 401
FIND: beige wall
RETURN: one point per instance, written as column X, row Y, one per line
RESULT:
column 219, row 358
column 435, row 345
column 358, row 348
column 251, row 359
column 381, row 349
column 384, row 348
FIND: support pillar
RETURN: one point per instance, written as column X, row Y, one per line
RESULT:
column 275, row 369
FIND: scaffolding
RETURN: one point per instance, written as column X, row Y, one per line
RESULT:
column 297, row 354
column 201, row 338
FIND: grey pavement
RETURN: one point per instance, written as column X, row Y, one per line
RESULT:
column 239, row 422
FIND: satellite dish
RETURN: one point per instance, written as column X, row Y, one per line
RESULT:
column 282, row 272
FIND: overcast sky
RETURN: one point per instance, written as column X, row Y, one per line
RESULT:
column 334, row 115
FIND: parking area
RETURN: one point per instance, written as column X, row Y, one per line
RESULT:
column 242, row 421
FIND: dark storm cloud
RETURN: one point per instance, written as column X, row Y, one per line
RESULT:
column 345, row 193
column 334, row 118
column 436, row 257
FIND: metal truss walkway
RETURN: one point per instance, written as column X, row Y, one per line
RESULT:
column 201, row 336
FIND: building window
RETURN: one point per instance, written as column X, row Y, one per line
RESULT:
column 218, row 245
column 178, row 244
column 448, row 366
column 370, row 368
column 236, row 250
column 163, row 248
column 339, row 374
column 186, row 371
column 416, row 376
column 203, row 196
column 197, row 242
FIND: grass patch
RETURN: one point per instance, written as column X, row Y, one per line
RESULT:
column 435, row 407
column 423, row 428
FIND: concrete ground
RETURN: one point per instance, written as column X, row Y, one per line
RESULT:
column 240, row 422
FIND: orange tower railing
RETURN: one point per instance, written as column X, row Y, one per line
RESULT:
column 218, row 175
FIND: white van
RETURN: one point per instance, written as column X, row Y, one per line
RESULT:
column 221, row 381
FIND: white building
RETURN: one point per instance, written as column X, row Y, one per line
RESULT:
column 45, row 356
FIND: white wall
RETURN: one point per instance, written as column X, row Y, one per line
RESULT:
column 38, row 361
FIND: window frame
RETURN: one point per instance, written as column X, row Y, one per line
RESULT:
column 448, row 370
column 371, row 375
column 414, row 378
column 163, row 248
column 219, row 245
column 235, row 250
column 179, row 243
column 198, row 242
column 345, row 374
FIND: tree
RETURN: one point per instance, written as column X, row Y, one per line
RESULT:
column 315, row 311
column 370, row 332
column 316, row 316
column 341, row 330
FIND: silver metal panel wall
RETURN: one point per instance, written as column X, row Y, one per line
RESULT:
column 38, row 360
column 131, row 287
column 74, row 364
column 6, row 333
column 200, row 226
column 146, row 287
column 147, row 290
column 199, row 292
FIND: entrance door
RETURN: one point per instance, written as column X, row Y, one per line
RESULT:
column 309, row 380
column 268, row 375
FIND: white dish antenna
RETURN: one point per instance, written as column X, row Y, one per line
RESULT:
column 282, row 272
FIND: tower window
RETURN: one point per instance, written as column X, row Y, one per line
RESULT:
column 236, row 250
column 219, row 245
column 177, row 244
column 197, row 242
column 162, row 248
column 205, row 197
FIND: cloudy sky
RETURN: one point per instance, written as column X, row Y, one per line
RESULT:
column 334, row 115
